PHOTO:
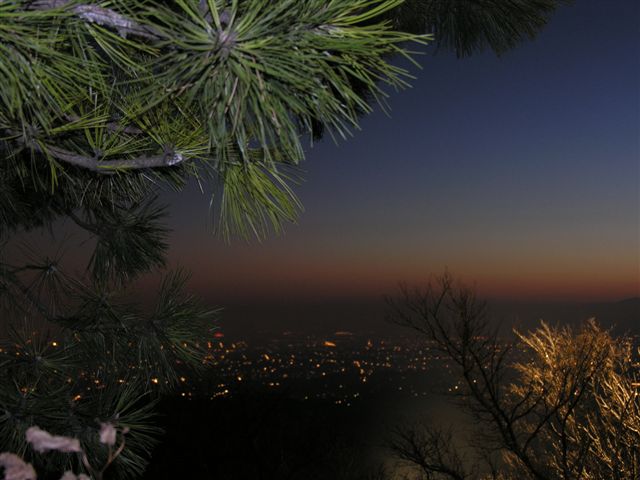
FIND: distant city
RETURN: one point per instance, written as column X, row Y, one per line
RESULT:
column 342, row 368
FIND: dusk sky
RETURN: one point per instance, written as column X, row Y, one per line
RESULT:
column 519, row 174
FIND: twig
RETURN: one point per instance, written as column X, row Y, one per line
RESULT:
column 169, row 158
column 100, row 15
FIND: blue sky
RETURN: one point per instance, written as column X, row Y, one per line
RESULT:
column 520, row 174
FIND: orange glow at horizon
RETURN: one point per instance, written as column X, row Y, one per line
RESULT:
column 306, row 279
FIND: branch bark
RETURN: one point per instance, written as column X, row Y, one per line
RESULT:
column 169, row 158
column 166, row 159
column 100, row 15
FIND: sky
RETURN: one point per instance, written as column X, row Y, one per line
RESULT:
column 519, row 175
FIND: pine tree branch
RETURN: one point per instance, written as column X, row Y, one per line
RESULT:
column 82, row 224
column 112, row 126
column 100, row 15
column 166, row 159
column 26, row 293
column 169, row 158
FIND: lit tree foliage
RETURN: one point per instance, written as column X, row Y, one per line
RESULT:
column 584, row 385
column 557, row 404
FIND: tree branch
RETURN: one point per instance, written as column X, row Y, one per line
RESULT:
column 100, row 15
column 168, row 158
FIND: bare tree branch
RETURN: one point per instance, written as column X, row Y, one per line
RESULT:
column 560, row 406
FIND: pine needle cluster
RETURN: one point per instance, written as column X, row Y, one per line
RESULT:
column 222, row 89
column 79, row 349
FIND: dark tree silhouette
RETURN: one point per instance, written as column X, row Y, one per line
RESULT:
column 78, row 349
column 466, row 27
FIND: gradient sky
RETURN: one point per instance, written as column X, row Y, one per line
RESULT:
column 519, row 174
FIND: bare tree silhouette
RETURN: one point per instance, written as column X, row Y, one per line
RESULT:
column 553, row 404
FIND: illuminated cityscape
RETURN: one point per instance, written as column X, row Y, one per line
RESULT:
column 342, row 368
